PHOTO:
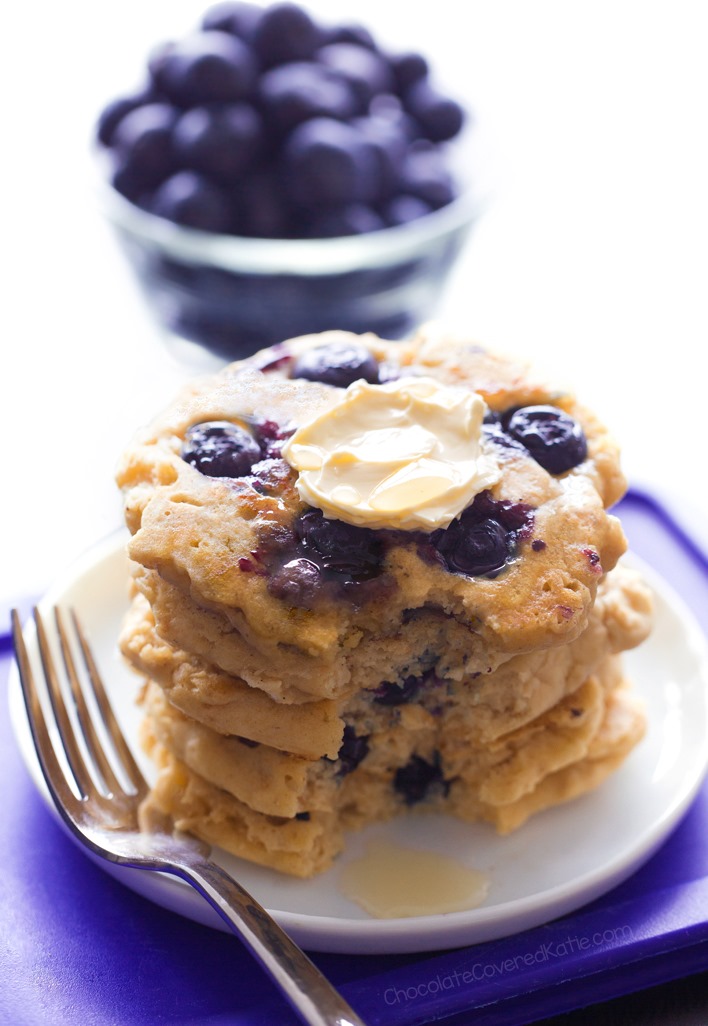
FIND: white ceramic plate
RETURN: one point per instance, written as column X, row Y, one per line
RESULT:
column 560, row 860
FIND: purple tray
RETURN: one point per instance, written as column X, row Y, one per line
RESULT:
column 77, row 946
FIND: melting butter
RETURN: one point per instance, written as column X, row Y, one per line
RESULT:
column 393, row 882
column 406, row 455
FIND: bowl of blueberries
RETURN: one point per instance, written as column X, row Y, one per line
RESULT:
column 274, row 176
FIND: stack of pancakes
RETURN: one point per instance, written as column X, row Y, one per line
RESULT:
column 280, row 719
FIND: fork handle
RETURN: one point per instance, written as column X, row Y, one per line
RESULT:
column 302, row 983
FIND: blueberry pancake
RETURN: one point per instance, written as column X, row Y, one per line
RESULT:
column 219, row 525
column 483, row 706
column 370, row 576
column 291, row 813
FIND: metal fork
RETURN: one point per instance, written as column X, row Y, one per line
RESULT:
column 102, row 814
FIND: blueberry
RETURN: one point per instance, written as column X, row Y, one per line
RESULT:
column 349, row 219
column 190, row 199
column 264, row 214
column 143, row 141
column 247, row 742
column 294, row 92
column 219, row 141
column 271, row 475
column 367, row 72
column 270, row 432
column 235, row 16
column 492, row 418
column 389, row 693
column 112, row 114
column 390, row 146
column 474, row 547
column 403, row 209
column 206, row 67
column 515, row 517
column 440, row 117
column 414, row 780
column 296, row 583
column 426, row 176
column 220, row 449
column 484, row 536
column 494, row 430
column 340, row 547
column 339, row 364
column 388, row 107
column 285, row 32
column 131, row 183
column 353, row 33
column 552, row 437
column 329, row 162
column 408, row 68
column 353, row 750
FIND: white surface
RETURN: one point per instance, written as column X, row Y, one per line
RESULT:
column 535, row 874
column 593, row 259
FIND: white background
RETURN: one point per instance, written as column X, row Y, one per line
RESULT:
column 592, row 260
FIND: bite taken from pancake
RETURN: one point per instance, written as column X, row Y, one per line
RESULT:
column 371, row 577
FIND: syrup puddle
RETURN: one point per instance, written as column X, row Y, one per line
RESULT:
column 392, row 882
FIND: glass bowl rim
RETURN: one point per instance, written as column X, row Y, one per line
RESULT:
column 289, row 256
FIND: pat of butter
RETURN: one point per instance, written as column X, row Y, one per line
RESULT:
column 403, row 455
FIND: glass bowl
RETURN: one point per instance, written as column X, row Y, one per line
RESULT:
column 232, row 296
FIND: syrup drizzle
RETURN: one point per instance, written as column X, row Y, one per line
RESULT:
column 392, row 882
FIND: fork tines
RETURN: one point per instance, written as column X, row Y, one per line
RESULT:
column 84, row 722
